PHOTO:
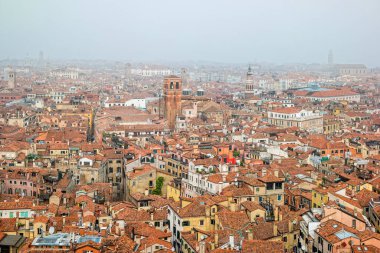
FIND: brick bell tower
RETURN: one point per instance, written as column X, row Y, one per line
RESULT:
column 172, row 97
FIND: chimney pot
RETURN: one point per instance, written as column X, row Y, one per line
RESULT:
column 250, row 235
column 275, row 230
column 202, row 247
column 232, row 241
column 216, row 239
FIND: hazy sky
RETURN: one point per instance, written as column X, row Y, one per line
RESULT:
column 279, row 31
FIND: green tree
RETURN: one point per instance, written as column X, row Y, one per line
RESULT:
column 236, row 153
column 159, row 184
column 32, row 157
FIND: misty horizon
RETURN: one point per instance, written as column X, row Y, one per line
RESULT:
column 281, row 32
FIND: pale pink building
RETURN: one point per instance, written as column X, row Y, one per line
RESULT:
column 347, row 216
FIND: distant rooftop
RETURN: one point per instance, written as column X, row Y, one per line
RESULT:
column 314, row 88
column 63, row 239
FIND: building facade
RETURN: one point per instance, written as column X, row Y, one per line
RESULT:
column 296, row 117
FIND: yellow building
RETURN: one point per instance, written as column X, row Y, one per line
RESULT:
column 80, row 110
column 174, row 166
column 85, row 112
column 167, row 179
column 114, row 173
column 140, row 180
column 374, row 214
column 195, row 213
column 40, row 226
column 356, row 185
column 173, row 191
column 331, row 125
column 267, row 190
column 288, row 232
column 253, row 210
column 319, row 197
column 59, row 150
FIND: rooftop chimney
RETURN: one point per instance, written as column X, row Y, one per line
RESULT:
column 250, row 235
column 216, row 239
column 275, row 229
column 202, row 247
column 232, row 241
column 291, row 225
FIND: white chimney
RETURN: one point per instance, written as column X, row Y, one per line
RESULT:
column 202, row 247
column 232, row 241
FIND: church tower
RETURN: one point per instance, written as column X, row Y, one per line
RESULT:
column 249, row 86
column 11, row 79
column 184, row 76
column 172, row 98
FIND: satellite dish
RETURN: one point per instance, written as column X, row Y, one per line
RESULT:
column 51, row 230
